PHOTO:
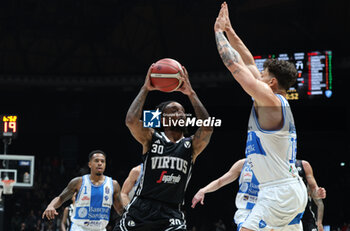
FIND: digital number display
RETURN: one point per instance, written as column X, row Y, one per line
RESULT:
column 315, row 78
column 8, row 126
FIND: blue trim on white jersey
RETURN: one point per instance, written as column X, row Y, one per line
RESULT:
column 297, row 219
column 253, row 145
column 283, row 113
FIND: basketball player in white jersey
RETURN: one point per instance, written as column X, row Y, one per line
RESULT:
column 247, row 194
column 271, row 138
column 130, row 184
column 96, row 193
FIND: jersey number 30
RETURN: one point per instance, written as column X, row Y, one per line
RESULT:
column 157, row 148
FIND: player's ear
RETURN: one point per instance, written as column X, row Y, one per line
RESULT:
column 273, row 82
column 89, row 164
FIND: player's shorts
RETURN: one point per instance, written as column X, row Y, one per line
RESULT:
column 278, row 206
column 309, row 226
column 75, row 227
column 242, row 214
column 147, row 214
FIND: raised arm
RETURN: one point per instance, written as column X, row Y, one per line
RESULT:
column 259, row 90
column 129, row 184
column 238, row 44
column 202, row 136
column 134, row 115
column 117, row 201
column 67, row 193
column 227, row 178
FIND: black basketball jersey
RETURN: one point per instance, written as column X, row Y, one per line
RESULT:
column 167, row 169
column 309, row 214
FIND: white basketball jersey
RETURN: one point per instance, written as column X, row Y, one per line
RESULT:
column 93, row 204
column 271, row 154
column 248, row 188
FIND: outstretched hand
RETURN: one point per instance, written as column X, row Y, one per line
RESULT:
column 50, row 213
column 199, row 197
column 220, row 23
column 226, row 17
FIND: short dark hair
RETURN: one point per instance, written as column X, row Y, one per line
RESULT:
column 284, row 71
column 91, row 154
column 163, row 105
column 161, row 108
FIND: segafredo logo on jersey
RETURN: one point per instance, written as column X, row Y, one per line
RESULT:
column 170, row 179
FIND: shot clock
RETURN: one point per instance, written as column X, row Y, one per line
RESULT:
column 8, row 126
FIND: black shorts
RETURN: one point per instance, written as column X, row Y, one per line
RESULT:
column 309, row 226
column 147, row 214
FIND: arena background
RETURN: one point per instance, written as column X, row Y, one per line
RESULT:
column 70, row 70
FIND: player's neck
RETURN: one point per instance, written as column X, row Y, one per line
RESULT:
column 173, row 135
column 97, row 179
column 280, row 92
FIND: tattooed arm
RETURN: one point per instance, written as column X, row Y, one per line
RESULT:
column 259, row 90
column 238, row 44
column 133, row 117
column 72, row 187
column 202, row 136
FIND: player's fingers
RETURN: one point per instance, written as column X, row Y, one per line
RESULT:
column 185, row 71
column 202, row 201
column 49, row 215
column 194, row 202
column 149, row 69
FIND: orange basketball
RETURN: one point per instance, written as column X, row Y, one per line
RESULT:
column 165, row 75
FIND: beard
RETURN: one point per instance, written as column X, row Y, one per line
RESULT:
column 98, row 174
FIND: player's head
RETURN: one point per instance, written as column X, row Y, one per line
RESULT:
column 172, row 111
column 97, row 162
column 279, row 74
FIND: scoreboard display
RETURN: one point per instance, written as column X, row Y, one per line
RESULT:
column 8, row 126
column 315, row 77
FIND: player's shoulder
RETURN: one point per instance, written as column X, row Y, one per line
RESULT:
column 136, row 169
column 75, row 182
column 306, row 165
column 77, row 179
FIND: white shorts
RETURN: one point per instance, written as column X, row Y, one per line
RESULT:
column 278, row 206
column 240, row 217
column 75, row 227
column 242, row 214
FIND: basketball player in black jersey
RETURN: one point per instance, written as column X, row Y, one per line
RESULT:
column 316, row 194
column 168, row 159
